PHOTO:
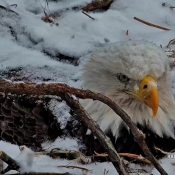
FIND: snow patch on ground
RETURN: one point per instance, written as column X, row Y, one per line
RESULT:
column 63, row 144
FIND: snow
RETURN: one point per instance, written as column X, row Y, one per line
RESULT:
column 24, row 47
column 63, row 144
column 61, row 111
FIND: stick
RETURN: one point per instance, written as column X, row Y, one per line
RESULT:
column 128, row 155
column 94, row 127
column 136, row 157
column 151, row 24
column 58, row 89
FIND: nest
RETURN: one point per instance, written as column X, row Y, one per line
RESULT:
column 26, row 121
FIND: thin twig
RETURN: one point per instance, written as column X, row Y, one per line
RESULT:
column 151, row 24
column 88, row 15
column 74, row 167
column 58, row 89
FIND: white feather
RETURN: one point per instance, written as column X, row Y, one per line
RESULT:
column 135, row 59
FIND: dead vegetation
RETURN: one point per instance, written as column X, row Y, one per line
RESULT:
column 97, row 5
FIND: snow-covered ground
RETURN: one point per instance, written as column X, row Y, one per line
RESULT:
column 32, row 46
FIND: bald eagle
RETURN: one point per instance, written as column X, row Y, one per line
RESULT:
column 136, row 75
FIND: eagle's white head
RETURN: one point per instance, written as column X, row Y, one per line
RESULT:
column 136, row 75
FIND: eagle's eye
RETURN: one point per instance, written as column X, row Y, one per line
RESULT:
column 123, row 78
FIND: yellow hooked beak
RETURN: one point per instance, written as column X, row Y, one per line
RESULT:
column 148, row 93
